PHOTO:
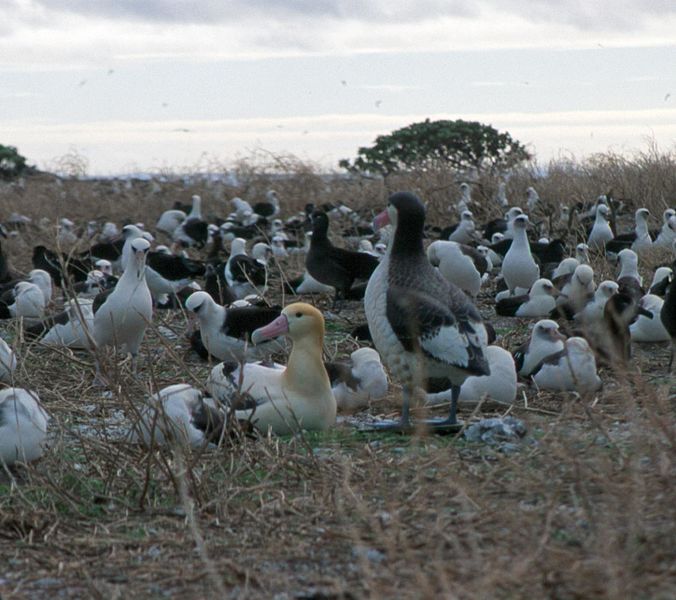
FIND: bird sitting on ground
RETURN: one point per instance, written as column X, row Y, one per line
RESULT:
column 277, row 398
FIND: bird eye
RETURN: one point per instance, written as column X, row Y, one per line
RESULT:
column 299, row 315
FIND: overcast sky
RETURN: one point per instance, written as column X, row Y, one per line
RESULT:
column 149, row 84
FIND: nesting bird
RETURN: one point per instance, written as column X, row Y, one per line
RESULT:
column 277, row 398
column 545, row 340
column 538, row 302
column 23, row 426
column 179, row 413
column 226, row 332
column 358, row 383
column 572, row 369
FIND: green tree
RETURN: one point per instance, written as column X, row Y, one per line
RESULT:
column 458, row 144
column 12, row 164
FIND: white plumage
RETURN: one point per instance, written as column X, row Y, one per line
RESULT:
column 7, row 362
column 667, row 234
column 123, row 317
column 29, row 301
column 465, row 232
column 77, row 332
column 499, row 386
column 601, row 232
column 592, row 313
column 579, row 290
column 573, row 369
column 214, row 331
column 545, row 340
column 456, row 267
column 519, row 269
column 649, row 330
column 177, row 413
column 23, row 426
column 368, row 381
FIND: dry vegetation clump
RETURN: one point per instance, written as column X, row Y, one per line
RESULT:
column 583, row 507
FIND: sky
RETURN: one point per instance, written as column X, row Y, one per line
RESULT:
column 148, row 85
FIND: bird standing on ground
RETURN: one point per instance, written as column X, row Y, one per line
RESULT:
column 122, row 316
column 422, row 325
column 519, row 269
column 334, row 266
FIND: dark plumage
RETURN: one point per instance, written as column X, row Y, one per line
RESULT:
column 426, row 327
column 668, row 315
column 76, row 268
column 216, row 286
column 334, row 266
column 173, row 267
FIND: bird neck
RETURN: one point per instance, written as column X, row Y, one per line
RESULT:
column 520, row 239
column 408, row 238
column 134, row 272
column 305, row 369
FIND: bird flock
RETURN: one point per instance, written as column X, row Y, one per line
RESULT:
column 421, row 286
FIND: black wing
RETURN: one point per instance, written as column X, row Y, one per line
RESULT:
column 507, row 307
column 240, row 322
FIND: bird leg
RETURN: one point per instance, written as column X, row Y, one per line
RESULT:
column 449, row 424
column 404, row 424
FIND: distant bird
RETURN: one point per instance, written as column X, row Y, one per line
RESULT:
column 638, row 240
column 23, row 426
column 193, row 231
column 667, row 234
column 423, row 326
column 244, row 274
column 629, row 279
column 532, row 199
column 269, row 207
column 465, row 201
column 592, row 313
column 601, row 232
column 463, row 232
column 571, row 369
column 578, row 292
column 334, row 266
column 501, row 195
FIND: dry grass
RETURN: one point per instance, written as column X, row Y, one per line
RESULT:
column 584, row 509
